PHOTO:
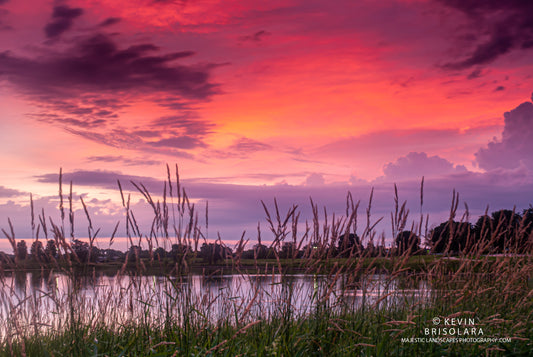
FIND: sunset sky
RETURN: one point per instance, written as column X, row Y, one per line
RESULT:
column 261, row 99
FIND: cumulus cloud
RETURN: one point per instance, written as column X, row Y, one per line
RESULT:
column 516, row 145
column 315, row 179
column 418, row 164
column 62, row 20
column 504, row 26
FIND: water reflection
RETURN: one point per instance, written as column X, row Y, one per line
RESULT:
column 44, row 299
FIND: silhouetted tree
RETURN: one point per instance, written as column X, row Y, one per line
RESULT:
column 507, row 225
column 483, row 234
column 213, row 252
column 349, row 245
column 51, row 249
column 37, row 251
column 134, row 253
column 451, row 237
column 527, row 228
column 22, row 250
column 499, row 232
column 259, row 251
column 178, row 251
column 160, row 253
column 288, row 250
column 407, row 241
column 81, row 249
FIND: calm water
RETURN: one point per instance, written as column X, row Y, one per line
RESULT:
column 36, row 302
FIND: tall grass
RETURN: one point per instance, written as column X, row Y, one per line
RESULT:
column 360, row 303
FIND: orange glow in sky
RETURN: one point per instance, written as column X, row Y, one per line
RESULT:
column 260, row 93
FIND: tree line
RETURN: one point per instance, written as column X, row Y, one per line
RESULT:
column 503, row 231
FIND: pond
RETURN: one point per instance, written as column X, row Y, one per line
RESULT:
column 38, row 301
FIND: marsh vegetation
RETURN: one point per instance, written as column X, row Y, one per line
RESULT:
column 316, row 288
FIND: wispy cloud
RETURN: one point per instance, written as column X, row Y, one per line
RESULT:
column 247, row 145
column 128, row 161
column 8, row 192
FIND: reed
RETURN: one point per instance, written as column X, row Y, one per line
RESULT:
column 351, row 300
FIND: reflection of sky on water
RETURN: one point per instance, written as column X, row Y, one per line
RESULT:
column 42, row 299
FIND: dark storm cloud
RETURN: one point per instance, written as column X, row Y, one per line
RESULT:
column 508, row 24
column 62, row 20
column 516, row 145
column 97, row 64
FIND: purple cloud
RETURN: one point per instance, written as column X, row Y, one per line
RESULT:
column 96, row 64
column 83, row 89
column 187, row 122
column 62, row 20
column 418, row 164
column 110, row 21
column 128, row 161
column 8, row 192
column 516, row 145
column 507, row 24
column 179, row 142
